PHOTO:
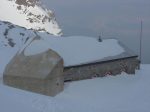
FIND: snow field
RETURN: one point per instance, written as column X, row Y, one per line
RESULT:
column 122, row 93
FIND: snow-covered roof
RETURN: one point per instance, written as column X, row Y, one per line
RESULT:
column 76, row 50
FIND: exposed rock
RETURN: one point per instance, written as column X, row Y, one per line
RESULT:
column 30, row 14
column 40, row 73
column 27, row 2
column 13, row 35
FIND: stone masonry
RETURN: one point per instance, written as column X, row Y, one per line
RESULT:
column 41, row 73
column 101, row 69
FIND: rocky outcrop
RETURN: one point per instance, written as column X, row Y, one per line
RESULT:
column 14, row 36
column 29, row 14
column 27, row 2
column 41, row 73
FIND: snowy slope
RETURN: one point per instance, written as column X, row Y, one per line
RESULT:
column 12, row 38
column 122, row 93
column 29, row 14
column 76, row 50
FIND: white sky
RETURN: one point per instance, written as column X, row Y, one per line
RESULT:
column 113, row 18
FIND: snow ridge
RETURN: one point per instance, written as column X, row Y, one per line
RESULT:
column 29, row 14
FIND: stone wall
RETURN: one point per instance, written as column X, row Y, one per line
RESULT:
column 41, row 73
column 101, row 69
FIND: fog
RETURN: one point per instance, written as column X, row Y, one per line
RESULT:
column 109, row 18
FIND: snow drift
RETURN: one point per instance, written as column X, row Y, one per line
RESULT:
column 122, row 93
